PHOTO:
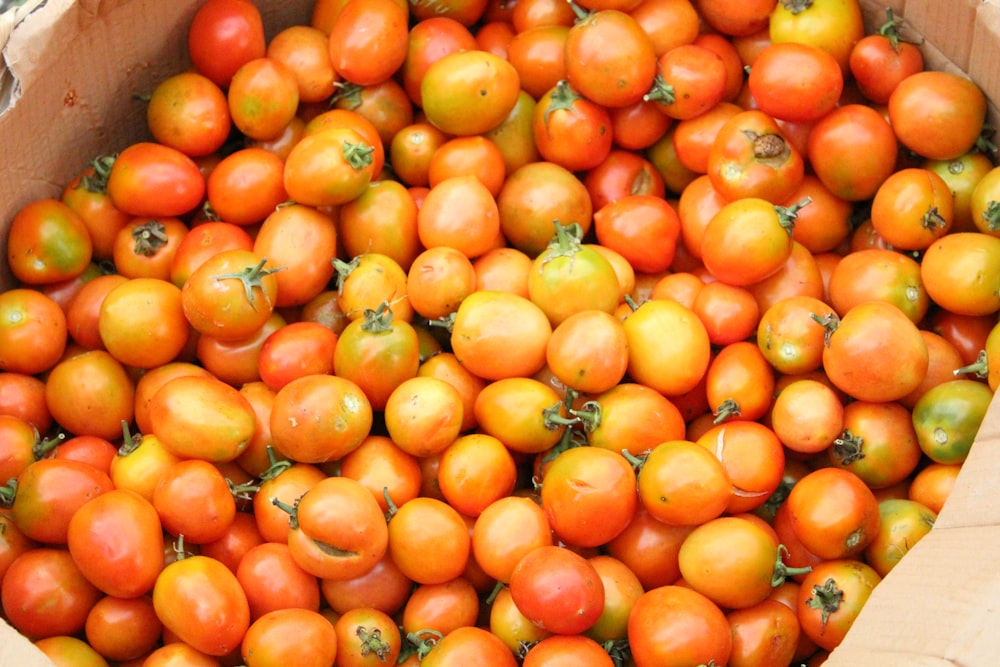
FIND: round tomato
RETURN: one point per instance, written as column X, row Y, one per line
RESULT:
column 557, row 589
column 673, row 626
column 155, row 180
column 469, row 92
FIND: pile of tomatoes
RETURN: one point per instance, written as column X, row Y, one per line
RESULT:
column 498, row 332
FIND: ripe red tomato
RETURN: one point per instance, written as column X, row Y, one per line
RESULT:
column 571, row 130
column 154, row 180
column 223, row 35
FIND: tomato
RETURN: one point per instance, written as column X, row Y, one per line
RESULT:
column 740, row 383
column 474, row 471
column 854, row 357
column 833, row 26
column 588, row 494
column 468, row 92
column 938, row 115
column 956, row 291
column 154, row 180
column 807, row 416
column 466, row 12
column 731, row 561
column 222, row 36
column 535, row 195
column 126, row 567
column 199, row 600
column 831, row 597
column 567, row 650
column 730, row 313
column 947, row 418
column 189, row 112
column 329, row 167
column 748, row 225
column 47, row 242
column 863, row 134
column 382, row 220
column 142, row 323
column 795, row 81
column 610, row 77
column 878, row 443
column 230, row 295
column 187, row 482
column 123, row 628
column 441, row 607
column 912, row 208
column 289, row 636
column 904, row 522
column 498, row 334
column 463, row 155
column 386, row 105
column 429, row 40
column 878, row 273
column 461, row 213
column 647, row 330
column 33, row 332
column 368, row 44
column 429, row 540
column 246, row 186
column 833, row 513
column 466, row 645
column 285, row 586
column 90, row 394
column 753, row 458
column 691, row 79
column 673, row 625
column 751, row 157
column 557, row 589
column 570, row 130
column 642, row 228
column 881, row 60
column 539, row 56
column 682, row 483
column 304, row 50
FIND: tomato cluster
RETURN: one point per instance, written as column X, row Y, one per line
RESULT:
column 611, row 332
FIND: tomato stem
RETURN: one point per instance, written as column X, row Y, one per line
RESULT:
column 372, row 642
column 637, row 461
column 447, row 322
column 796, row 6
column 728, row 408
column 130, row 441
column 242, row 491
column 829, row 322
column 391, row 512
column 423, row 641
column 7, row 492
column 783, row 571
column 981, row 367
column 149, row 237
column 991, row 216
column 97, row 180
column 890, row 29
column 357, row 154
column 251, row 277
column 44, row 446
column 580, row 12
column 275, row 466
column 562, row 98
column 619, row 650
column 291, row 510
column 495, row 592
column 661, row 91
column 984, row 144
column 589, row 416
column 848, row 448
column 827, row 598
column 349, row 92
column 788, row 214
column 378, row 320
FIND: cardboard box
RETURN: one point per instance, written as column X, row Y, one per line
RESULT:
column 70, row 69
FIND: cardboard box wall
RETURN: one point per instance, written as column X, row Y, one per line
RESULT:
column 71, row 68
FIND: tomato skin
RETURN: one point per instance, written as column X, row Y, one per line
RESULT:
column 154, row 180
column 32, row 332
column 124, row 567
column 673, row 626
column 833, row 513
column 201, row 601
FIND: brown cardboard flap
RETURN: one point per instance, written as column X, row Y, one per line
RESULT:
column 949, row 25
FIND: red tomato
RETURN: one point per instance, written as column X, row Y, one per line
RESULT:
column 571, row 130
column 223, row 35
column 557, row 589
column 154, row 180
column 368, row 41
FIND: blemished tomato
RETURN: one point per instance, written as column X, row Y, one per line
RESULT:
column 154, row 180
column 879, row 273
column 904, row 522
column 223, row 35
column 767, row 633
column 947, row 418
column 739, row 383
column 753, row 458
column 682, row 483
